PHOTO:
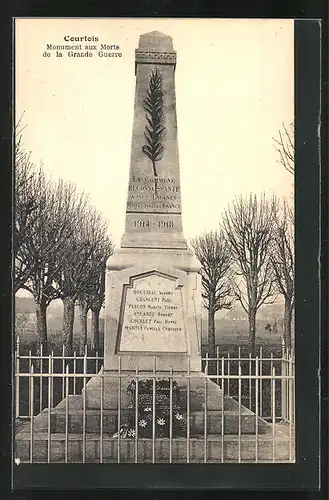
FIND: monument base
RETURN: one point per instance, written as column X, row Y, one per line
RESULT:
column 109, row 388
column 234, row 433
column 152, row 310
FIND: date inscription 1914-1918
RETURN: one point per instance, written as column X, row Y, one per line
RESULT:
column 155, row 224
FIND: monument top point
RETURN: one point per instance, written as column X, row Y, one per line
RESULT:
column 155, row 41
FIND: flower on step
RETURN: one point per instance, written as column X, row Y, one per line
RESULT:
column 142, row 423
column 161, row 421
column 178, row 416
column 131, row 433
column 122, row 431
column 148, row 409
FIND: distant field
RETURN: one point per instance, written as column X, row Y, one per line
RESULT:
column 229, row 331
column 229, row 336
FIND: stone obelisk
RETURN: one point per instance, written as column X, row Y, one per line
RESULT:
column 153, row 285
column 154, row 210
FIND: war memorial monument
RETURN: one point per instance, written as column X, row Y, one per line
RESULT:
column 152, row 321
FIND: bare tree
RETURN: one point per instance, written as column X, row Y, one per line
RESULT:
column 248, row 227
column 283, row 243
column 283, row 262
column 213, row 252
column 97, row 295
column 53, row 225
column 285, row 147
column 26, row 201
column 92, row 295
column 22, row 319
column 74, row 267
column 83, row 317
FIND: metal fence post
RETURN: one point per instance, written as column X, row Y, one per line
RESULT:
column 63, row 371
column 101, row 417
column 41, row 379
column 17, row 368
column 256, row 408
column 84, row 409
column 119, row 409
column 170, row 413
column 136, row 416
column 261, row 382
column 31, row 400
column 74, row 371
column 228, row 373
column 239, row 411
column 250, row 381
column 273, row 412
column 66, row 412
column 188, row 412
column 217, row 364
column 49, row 409
column 223, row 409
column 291, row 381
column 284, row 392
column 153, row 409
column 205, row 438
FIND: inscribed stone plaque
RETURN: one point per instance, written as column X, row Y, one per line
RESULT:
column 152, row 315
column 143, row 198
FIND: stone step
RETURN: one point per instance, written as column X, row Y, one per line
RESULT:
column 110, row 422
column 201, row 389
column 217, row 449
column 197, row 401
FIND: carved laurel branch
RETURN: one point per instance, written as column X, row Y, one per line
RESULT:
column 154, row 130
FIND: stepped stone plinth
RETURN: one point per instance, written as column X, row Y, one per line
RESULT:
column 255, row 435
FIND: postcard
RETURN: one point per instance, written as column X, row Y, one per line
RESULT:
column 154, row 241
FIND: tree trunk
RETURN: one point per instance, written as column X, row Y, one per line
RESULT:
column 252, row 331
column 95, row 327
column 68, row 322
column 83, row 311
column 211, row 331
column 41, row 313
column 287, row 324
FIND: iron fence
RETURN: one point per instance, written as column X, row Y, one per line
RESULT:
column 239, row 409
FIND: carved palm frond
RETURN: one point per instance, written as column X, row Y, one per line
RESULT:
column 154, row 130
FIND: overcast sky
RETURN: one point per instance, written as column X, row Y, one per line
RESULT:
column 234, row 88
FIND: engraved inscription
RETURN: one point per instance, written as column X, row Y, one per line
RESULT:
column 142, row 195
column 165, row 224
column 155, row 57
column 153, row 316
column 141, row 223
column 153, row 224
